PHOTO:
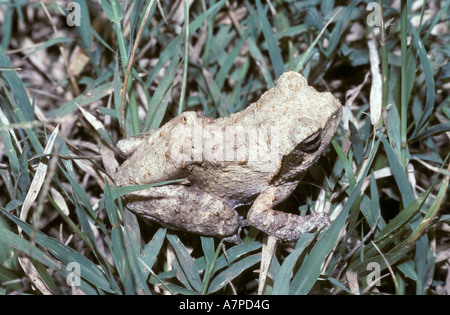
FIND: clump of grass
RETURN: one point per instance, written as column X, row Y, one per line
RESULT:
column 64, row 105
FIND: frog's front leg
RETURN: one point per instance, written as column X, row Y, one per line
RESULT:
column 281, row 225
column 186, row 208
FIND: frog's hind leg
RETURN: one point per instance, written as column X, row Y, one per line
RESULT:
column 185, row 208
column 281, row 225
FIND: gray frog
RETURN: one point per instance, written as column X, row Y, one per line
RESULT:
column 258, row 156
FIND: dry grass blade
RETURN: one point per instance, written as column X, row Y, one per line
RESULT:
column 387, row 265
column 38, row 179
column 376, row 93
column 267, row 255
column 33, row 192
column 352, row 278
column 96, row 123
column 59, row 200
column 130, row 64
column 33, row 274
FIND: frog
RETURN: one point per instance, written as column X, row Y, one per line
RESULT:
column 255, row 157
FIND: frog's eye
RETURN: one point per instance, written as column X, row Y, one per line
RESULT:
column 312, row 143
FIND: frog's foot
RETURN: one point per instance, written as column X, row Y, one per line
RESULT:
column 235, row 239
column 185, row 208
column 281, row 225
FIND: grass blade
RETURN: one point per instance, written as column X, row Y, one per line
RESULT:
column 151, row 250
column 156, row 111
column 211, row 262
column 432, row 211
column 38, row 179
column 403, row 217
column 226, row 276
column 234, row 253
column 186, row 262
column 282, row 281
column 399, row 173
column 66, row 255
column 429, row 80
column 83, row 100
column 272, row 45
column 310, row 270
column 17, row 87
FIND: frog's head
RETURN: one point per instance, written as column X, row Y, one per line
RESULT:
column 308, row 123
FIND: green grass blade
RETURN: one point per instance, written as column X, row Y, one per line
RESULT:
column 229, row 62
column 111, row 210
column 138, row 8
column 159, row 101
column 120, row 261
column 211, row 262
column 7, row 27
column 185, row 58
column 168, row 52
column 131, row 242
column 32, row 137
column 346, row 163
column 17, row 87
column 234, row 253
column 49, row 43
column 181, row 275
column 272, row 45
column 422, row 264
column 432, row 131
column 375, row 210
column 151, row 250
column 208, row 248
column 118, row 246
column 357, row 143
column 186, row 262
column 117, row 97
column 337, row 32
column 282, row 280
column 391, row 257
column 310, row 270
column 226, row 276
column 85, row 26
column 429, row 80
column 84, row 99
column 403, row 217
column 399, row 173
column 432, row 210
column 66, row 255
column 437, row 18
column 10, row 151
column 194, row 25
column 11, row 239
column 393, row 128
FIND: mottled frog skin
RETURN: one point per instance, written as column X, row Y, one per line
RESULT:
column 258, row 156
